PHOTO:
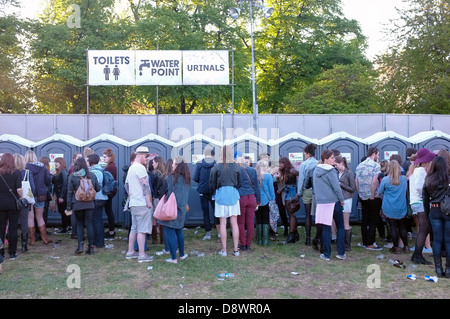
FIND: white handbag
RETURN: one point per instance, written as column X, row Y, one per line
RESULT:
column 26, row 188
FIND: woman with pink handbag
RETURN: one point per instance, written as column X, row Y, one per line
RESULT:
column 178, row 185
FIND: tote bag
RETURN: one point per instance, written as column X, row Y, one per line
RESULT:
column 166, row 208
column 26, row 188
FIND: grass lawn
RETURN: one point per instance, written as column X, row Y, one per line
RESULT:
column 277, row 271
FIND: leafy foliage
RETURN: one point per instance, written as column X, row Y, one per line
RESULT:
column 309, row 58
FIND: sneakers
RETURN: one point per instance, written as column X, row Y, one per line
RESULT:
column 184, row 257
column 236, row 253
column 324, row 257
column 373, row 247
column 341, row 257
column 131, row 255
column 171, row 261
column 223, row 253
column 162, row 252
column 145, row 258
column 207, row 236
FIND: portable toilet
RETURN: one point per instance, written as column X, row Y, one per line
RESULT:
column 250, row 145
column 432, row 140
column 389, row 143
column 119, row 148
column 291, row 146
column 192, row 150
column 14, row 144
column 353, row 149
column 57, row 145
column 156, row 145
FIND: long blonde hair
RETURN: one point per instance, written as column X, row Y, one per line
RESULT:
column 394, row 172
column 262, row 167
column 19, row 161
column 30, row 157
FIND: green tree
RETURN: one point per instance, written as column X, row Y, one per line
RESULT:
column 14, row 76
column 59, row 52
column 415, row 73
column 343, row 89
column 301, row 40
column 186, row 25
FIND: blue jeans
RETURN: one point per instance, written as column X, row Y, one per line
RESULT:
column 175, row 239
column 338, row 217
column 440, row 224
column 99, row 227
column 84, row 218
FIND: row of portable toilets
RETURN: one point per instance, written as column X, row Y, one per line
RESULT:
column 291, row 146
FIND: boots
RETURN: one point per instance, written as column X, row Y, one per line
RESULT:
column 265, row 234
column 79, row 250
column 90, row 250
column 43, row 232
column 438, row 265
column 348, row 239
column 419, row 259
column 259, row 234
column 31, row 236
column 24, row 241
column 290, row 239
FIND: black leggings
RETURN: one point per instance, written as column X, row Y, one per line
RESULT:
column 398, row 231
column 424, row 230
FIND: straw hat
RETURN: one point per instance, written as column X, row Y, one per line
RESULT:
column 142, row 150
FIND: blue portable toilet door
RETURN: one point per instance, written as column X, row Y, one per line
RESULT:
column 54, row 149
column 436, row 144
column 293, row 150
column 156, row 147
column 122, row 159
column 11, row 147
column 389, row 147
column 192, row 153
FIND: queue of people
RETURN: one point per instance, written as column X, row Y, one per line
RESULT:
column 232, row 189
column 57, row 189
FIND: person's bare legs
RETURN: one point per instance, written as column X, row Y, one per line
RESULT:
column 235, row 232
column 223, row 233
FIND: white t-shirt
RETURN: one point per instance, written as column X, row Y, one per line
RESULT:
column 136, row 193
column 416, row 181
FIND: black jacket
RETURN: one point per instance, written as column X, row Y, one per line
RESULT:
column 436, row 196
column 202, row 173
column 224, row 176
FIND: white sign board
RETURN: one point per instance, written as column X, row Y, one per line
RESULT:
column 111, row 67
column 158, row 68
column 146, row 67
column 206, row 68
column 388, row 154
column 348, row 157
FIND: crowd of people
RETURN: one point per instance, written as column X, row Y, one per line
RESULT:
column 252, row 197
